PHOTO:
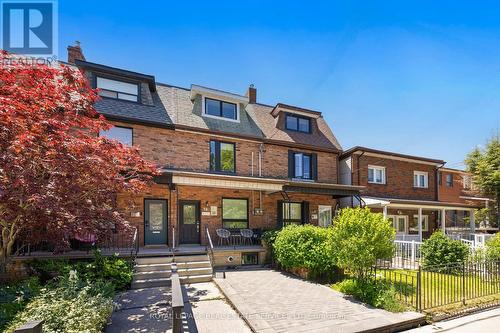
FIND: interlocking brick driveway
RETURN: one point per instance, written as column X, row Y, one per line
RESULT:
column 275, row 302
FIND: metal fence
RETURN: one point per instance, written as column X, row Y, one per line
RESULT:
column 431, row 287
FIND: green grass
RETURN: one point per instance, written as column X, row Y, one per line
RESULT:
column 440, row 289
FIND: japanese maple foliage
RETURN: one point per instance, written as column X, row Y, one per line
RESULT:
column 58, row 178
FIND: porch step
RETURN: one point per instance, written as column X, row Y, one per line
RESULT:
column 151, row 283
column 195, row 278
column 153, row 260
column 152, row 267
column 193, row 264
column 194, row 271
column 138, row 276
column 190, row 258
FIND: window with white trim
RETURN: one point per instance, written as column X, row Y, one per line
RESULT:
column 420, row 179
column 324, row 216
column 376, row 174
column 399, row 222
column 117, row 89
column 414, row 223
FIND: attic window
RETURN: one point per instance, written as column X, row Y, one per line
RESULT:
column 298, row 123
column 118, row 89
column 220, row 109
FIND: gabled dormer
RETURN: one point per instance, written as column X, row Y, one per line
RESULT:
column 217, row 104
column 293, row 119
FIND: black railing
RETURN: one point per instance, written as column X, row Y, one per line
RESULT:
column 431, row 287
column 120, row 241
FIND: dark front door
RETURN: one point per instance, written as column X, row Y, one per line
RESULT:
column 189, row 215
column 155, row 222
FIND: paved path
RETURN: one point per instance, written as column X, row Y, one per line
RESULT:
column 211, row 311
column 275, row 302
column 487, row 321
column 142, row 310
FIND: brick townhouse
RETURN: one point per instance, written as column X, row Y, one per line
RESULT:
column 411, row 191
column 227, row 161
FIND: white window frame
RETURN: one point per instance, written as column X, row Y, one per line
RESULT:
column 425, row 223
column 119, row 92
column 325, row 208
column 375, row 168
column 394, row 223
column 205, row 114
column 416, row 179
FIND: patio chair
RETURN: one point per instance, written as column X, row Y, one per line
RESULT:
column 246, row 235
column 223, row 235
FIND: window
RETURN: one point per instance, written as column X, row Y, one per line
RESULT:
column 250, row 258
column 467, row 181
column 324, row 216
column 222, row 156
column 292, row 213
column 449, row 180
column 302, row 166
column 297, row 123
column 221, row 109
column 376, row 174
column 398, row 222
column 118, row 89
column 120, row 134
column 414, row 223
column 235, row 213
column 420, row 179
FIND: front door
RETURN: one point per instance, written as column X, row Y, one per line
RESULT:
column 155, row 222
column 189, row 221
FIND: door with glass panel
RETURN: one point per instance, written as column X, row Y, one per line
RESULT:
column 189, row 222
column 155, row 222
column 324, row 216
column 400, row 223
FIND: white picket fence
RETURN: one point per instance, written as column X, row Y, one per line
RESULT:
column 407, row 254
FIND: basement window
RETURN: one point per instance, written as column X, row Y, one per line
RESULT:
column 249, row 258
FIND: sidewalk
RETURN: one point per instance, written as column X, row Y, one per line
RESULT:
column 485, row 322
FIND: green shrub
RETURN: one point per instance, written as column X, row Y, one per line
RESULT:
column 70, row 306
column 113, row 269
column 441, row 250
column 379, row 294
column 268, row 238
column 359, row 238
column 14, row 298
column 47, row 269
column 305, row 246
column 493, row 247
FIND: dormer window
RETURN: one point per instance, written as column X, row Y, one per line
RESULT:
column 118, row 89
column 298, row 123
column 221, row 109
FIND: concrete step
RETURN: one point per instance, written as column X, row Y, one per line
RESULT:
column 190, row 258
column 195, row 278
column 152, row 267
column 152, row 275
column 153, row 260
column 194, row 271
column 150, row 283
column 194, row 264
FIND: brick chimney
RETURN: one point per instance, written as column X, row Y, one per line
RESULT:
column 75, row 53
column 252, row 94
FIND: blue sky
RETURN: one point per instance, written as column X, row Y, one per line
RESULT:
column 418, row 77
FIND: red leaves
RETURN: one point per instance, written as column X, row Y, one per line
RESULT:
column 57, row 177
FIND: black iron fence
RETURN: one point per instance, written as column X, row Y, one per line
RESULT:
column 432, row 287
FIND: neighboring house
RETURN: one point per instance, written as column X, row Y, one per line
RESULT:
column 227, row 161
column 405, row 189
column 457, row 186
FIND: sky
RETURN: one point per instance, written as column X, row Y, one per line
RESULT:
column 415, row 77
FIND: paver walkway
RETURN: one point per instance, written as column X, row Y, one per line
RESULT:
column 275, row 302
column 142, row 310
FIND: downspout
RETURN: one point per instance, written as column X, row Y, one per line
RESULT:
column 261, row 152
column 437, row 180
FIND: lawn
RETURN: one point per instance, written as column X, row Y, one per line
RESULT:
column 441, row 289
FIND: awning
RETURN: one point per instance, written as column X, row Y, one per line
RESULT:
column 375, row 203
column 415, row 204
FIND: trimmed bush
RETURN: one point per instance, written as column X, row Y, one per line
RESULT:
column 441, row 250
column 493, row 247
column 305, row 247
column 359, row 238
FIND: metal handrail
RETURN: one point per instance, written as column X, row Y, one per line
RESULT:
column 211, row 255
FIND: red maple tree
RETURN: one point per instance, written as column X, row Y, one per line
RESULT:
column 58, row 178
